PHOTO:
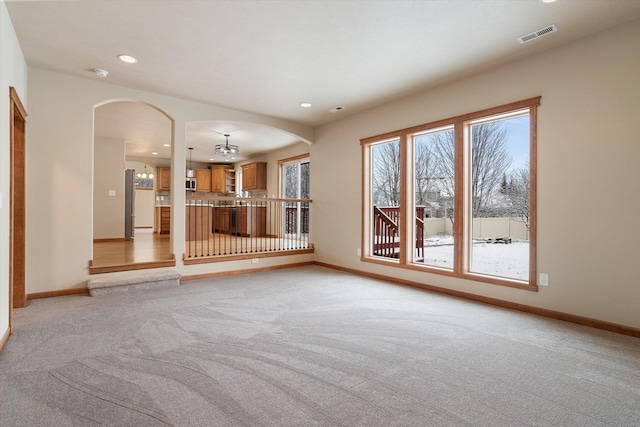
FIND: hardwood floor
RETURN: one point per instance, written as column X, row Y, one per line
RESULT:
column 145, row 249
column 149, row 250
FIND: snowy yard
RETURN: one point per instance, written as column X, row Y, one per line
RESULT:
column 506, row 260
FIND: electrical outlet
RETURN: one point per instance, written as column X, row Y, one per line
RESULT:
column 254, row 260
column 358, row 252
column 543, row 279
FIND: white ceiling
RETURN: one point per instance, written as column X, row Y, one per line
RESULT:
column 267, row 57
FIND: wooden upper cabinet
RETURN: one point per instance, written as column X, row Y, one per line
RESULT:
column 254, row 176
column 219, row 179
column 163, row 175
column 203, row 180
column 231, row 180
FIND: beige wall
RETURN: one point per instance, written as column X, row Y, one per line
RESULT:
column 108, row 188
column 145, row 199
column 60, row 133
column 144, row 208
column 13, row 72
column 588, row 155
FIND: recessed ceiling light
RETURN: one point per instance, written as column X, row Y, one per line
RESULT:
column 336, row 109
column 306, row 105
column 548, row 1
column 211, row 159
column 127, row 58
column 100, row 72
column 166, row 145
column 154, row 153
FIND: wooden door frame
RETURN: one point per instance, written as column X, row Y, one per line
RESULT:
column 17, row 244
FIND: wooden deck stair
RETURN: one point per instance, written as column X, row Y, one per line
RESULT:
column 386, row 239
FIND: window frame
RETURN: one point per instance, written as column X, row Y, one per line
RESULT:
column 302, row 158
column 462, row 216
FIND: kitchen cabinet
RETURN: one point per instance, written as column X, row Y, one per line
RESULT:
column 240, row 220
column 203, row 180
column 163, row 220
column 251, row 221
column 223, row 179
column 254, row 176
column 163, row 175
column 222, row 220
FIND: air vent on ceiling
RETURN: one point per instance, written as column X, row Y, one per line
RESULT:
column 537, row 34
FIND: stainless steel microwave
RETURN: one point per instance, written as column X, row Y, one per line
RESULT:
column 191, row 184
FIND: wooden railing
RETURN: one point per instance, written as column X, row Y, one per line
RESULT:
column 385, row 239
column 223, row 228
column 386, row 242
column 419, row 255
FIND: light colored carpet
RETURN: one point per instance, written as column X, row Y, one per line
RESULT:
column 308, row 346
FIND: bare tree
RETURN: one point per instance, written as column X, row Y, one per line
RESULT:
column 386, row 174
column 305, row 181
column 490, row 159
column 294, row 181
column 444, row 153
column 435, row 168
column 425, row 172
column 291, row 181
column 518, row 192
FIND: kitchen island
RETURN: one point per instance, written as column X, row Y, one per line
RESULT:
column 198, row 220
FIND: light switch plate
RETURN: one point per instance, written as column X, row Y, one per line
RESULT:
column 543, row 280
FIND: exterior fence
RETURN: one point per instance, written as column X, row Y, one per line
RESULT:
column 483, row 228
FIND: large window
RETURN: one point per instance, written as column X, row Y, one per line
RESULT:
column 456, row 197
column 294, row 176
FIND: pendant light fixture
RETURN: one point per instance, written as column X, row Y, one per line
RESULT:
column 227, row 149
column 144, row 173
column 190, row 172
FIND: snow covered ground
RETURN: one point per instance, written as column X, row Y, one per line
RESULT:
column 505, row 260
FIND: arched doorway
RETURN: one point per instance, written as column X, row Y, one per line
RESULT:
column 132, row 143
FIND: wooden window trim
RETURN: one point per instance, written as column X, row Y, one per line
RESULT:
column 462, row 226
column 517, row 105
column 294, row 158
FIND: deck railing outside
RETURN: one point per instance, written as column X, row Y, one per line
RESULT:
column 386, row 242
column 218, row 227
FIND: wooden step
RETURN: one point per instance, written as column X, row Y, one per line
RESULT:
column 137, row 282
